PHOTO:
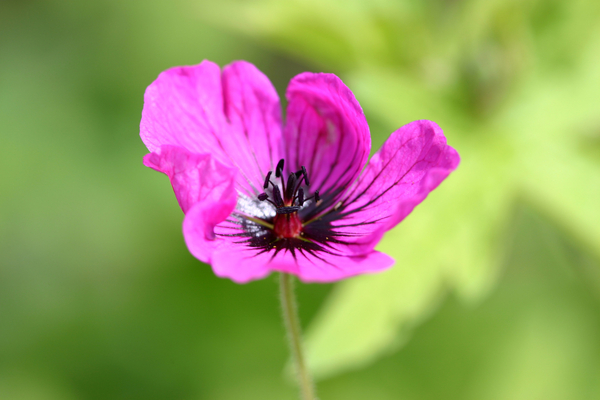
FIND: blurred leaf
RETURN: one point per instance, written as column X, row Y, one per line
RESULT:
column 534, row 337
column 552, row 122
column 514, row 85
column 99, row 298
column 451, row 240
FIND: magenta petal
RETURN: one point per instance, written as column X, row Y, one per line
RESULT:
column 197, row 178
column 217, row 135
column 332, row 268
column 242, row 264
column 235, row 116
column 411, row 163
column 253, row 110
column 184, row 107
column 326, row 131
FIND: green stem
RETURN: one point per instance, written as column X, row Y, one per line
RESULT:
column 292, row 326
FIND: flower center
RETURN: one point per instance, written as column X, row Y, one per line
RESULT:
column 287, row 200
column 287, row 225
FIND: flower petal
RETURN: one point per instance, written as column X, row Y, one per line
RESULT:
column 331, row 268
column 184, row 107
column 326, row 131
column 253, row 110
column 242, row 264
column 197, row 179
column 235, row 116
column 410, row 164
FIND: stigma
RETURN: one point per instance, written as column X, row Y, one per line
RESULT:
column 287, row 200
column 287, row 225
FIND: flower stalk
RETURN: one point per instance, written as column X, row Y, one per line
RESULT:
column 294, row 333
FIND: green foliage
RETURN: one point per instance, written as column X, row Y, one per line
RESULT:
column 534, row 337
column 99, row 297
column 497, row 281
column 515, row 85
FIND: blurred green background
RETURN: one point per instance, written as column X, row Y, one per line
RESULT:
column 496, row 292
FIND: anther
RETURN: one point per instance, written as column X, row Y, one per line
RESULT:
column 279, row 168
column 291, row 186
column 317, row 198
column 267, row 180
column 263, row 196
column 277, row 196
column 300, row 196
column 305, row 176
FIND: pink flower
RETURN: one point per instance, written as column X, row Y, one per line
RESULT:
column 261, row 196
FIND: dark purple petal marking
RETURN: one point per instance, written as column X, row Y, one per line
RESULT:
column 292, row 224
column 411, row 163
column 329, row 131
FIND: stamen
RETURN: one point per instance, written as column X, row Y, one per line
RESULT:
column 279, row 174
column 291, row 187
column 267, row 180
column 287, row 196
column 277, row 196
column 287, row 210
column 299, row 179
column 279, row 168
column 305, row 176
